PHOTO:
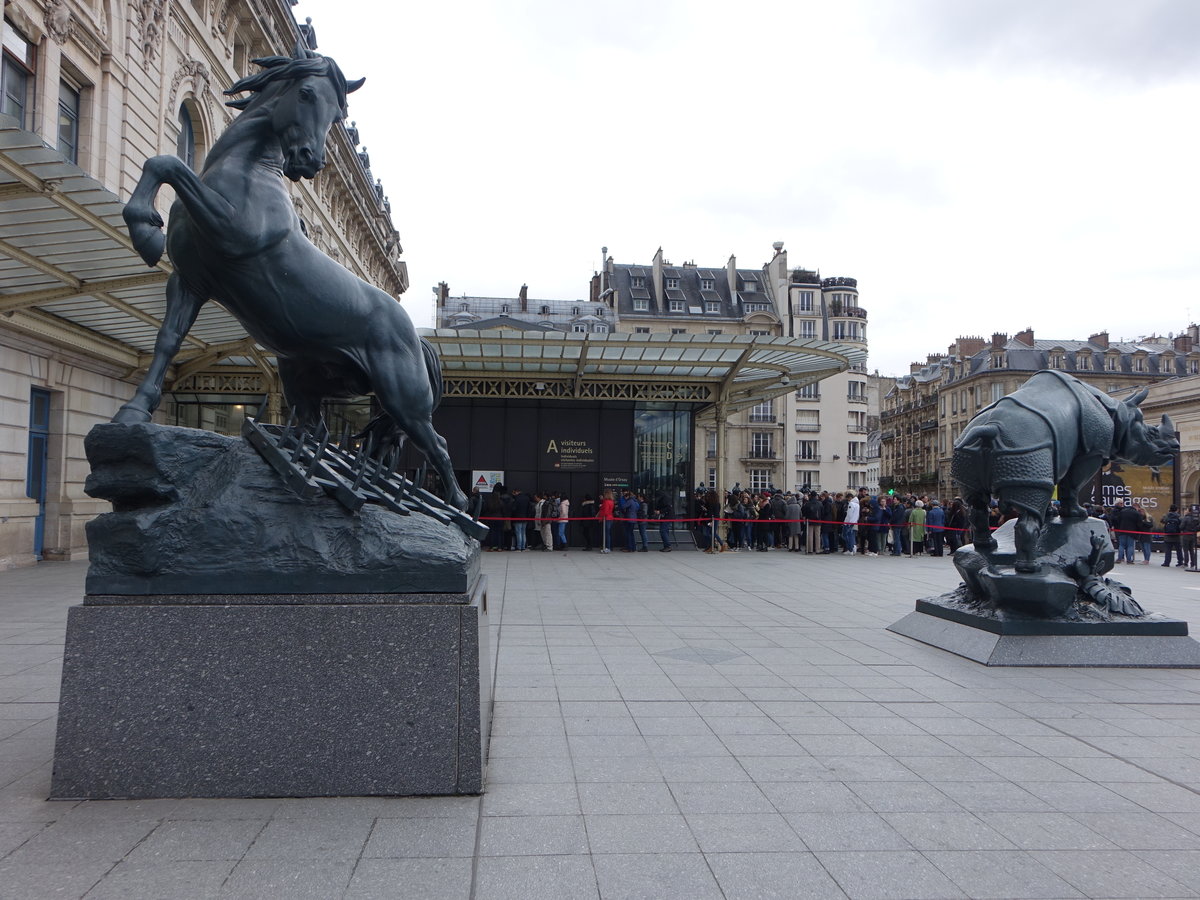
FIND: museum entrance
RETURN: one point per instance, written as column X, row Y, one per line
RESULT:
column 580, row 448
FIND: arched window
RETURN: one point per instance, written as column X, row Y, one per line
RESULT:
column 185, row 145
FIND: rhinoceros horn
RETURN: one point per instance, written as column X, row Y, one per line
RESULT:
column 1137, row 398
column 1167, row 429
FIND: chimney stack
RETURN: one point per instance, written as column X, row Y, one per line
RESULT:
column 1025, row 337
column 999, row 339
column 1100, row 339
column 443, row 292
column 523, row 296
column 966, row 347
column 1184, row 343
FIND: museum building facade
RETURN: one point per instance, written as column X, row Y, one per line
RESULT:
column 90, row 91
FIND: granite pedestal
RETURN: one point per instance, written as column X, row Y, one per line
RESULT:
column 1011, row 639
column 239, row 640
column 311, row 696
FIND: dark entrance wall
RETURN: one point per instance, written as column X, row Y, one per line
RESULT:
column 540, row 445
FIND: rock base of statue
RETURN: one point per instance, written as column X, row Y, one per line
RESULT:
column 218, row 686
column 1066, row 614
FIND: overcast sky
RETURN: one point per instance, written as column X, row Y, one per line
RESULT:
column 977, row 165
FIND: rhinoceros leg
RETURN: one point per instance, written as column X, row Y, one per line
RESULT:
column 980, row 524
column 1025, row 536
column 1078, row 476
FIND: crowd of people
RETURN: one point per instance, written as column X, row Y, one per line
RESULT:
column 813, row 522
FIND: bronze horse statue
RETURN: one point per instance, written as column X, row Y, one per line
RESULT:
column 235, row 238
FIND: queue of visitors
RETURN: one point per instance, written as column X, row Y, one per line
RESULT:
column 813, row 522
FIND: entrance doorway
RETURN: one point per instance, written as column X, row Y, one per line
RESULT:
column 39, row 457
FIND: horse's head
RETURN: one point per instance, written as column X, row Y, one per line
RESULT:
column 1142, row 444
column 303, row 95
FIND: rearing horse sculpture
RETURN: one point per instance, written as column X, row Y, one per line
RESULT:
column 234, row 237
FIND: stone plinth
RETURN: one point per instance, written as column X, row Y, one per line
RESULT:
column 308, row 697
column 997, row 638
column 200, row 513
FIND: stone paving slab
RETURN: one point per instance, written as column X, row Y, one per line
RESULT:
column 682, row 725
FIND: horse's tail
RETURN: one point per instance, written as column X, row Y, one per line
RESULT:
column 433, row 365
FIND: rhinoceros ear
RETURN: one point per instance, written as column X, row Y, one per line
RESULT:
column 1137, row 398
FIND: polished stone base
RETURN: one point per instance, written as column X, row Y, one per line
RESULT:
column 274, row 700
column 1159, row 642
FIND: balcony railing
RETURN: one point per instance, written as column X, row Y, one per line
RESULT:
column 857, row 429
column 853, row 312
column 805, row 426
column 816, row 396
column 760, row 454
column 757, row 418
column 856, row 398
column 801, row 457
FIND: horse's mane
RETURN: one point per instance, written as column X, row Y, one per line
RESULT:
column 287, row 68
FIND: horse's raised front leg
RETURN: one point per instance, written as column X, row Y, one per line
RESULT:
column 182, row 307
column 209, row 209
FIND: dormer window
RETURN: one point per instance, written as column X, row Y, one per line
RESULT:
column 574, row 310
column 706, row 284
column 1139, row 364
column 1194, row 366
column 504, row 309
column 639, row 281
column 1083, row 362
column 600, row 312
column 1110, row 363
column 712, row 306
column 672, row 283
column 997, row 360
column 545, row 310
column 676, row 306
column 465, row 307
column 641, row 304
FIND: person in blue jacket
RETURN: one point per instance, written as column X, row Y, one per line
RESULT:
column 935, row 522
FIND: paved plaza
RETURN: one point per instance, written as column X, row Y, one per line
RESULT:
column 679, row 725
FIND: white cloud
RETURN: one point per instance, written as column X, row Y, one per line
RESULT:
column 978, row 166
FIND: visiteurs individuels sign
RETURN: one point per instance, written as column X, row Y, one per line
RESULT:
column 569, row 455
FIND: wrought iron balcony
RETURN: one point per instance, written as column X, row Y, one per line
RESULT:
column 800, row 457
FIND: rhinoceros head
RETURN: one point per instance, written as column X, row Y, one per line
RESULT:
column 1142, row 444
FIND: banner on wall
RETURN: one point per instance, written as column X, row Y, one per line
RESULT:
column 1151, row 488
column 484, row 480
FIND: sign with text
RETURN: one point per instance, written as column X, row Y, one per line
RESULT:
column 1151, row 488
column 614, row 481
column 568, row 454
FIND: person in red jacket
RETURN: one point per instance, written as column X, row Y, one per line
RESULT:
column 605, row 515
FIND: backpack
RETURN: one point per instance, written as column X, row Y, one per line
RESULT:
column 555, row 508
column 1171, row 524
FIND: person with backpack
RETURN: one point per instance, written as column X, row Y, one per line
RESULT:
column 562, row 515
column 1171, row 528
column 663, row 511
column 1147, row 537
column 542, row 521
column 522, row 512
column 587, row 511
column 1187, row 536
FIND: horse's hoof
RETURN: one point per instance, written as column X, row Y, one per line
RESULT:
column 129, row 415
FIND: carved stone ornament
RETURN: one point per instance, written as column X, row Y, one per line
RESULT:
column 201, row 78
column 59, row 23
column 149, row 18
